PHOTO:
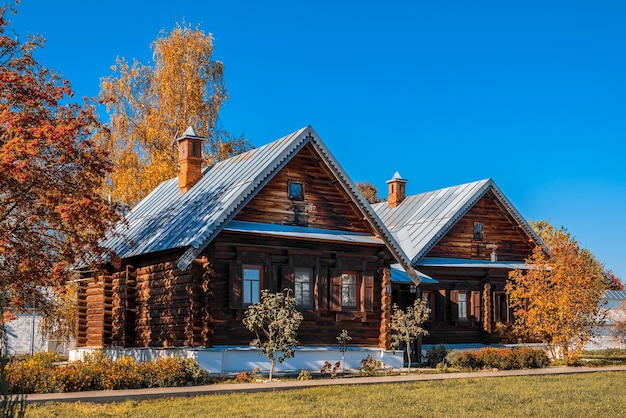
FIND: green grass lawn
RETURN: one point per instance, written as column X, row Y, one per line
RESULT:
column 600, row 394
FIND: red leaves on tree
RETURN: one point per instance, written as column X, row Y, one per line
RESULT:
column 52, row 212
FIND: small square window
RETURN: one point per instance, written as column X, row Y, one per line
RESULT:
column 478, row 231
column 296, row 190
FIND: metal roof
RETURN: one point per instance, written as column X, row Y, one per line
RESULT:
column 615, row 294
column 398, row 275
column 421, row 220
column 462, row 262
column 167, row 219
column 300, row 232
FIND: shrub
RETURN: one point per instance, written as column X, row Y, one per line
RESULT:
column 436, row 355
column 42, row 374
column 452, row 357
column 305, row 375
column 527, row 358
column 245, row 377
column 502, row 359
column 369, row 366
column 10, row 406
column 330, row 369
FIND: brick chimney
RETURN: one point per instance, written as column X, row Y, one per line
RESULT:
column 189, row 159
column 397, row 190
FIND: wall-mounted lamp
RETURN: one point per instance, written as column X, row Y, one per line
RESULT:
column 388, row 289
column 413, row 289
column 494, row 254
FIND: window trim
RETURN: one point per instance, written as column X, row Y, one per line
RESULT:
column 311, row 286
column 478, row 232
column 295, row 196
column 244, row 281
column 466, row 302
column 357, row 290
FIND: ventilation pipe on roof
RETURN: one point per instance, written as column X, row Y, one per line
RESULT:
column 397, row 190
column 189, row 159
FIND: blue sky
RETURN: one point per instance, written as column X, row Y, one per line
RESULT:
column 529, row 93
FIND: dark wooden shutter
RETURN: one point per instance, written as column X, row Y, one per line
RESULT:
column 440, row 305
column 368, row 291
column 288, row 281
column 475, row 301
column 454, row 311
column 235, row 294
column 322, row 290
column 273, row 282
column 335, row 290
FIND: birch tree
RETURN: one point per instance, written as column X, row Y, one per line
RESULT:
column 150, row 105
column 556, row 298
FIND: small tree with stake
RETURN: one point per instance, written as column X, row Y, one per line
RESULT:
column 343, row 339
column 406, row 327
column 275, row 322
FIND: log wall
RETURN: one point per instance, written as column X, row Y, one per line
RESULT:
column 321, row 325
column 481, row 284
column 95, row 312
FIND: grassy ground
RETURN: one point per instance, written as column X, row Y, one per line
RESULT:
column 584, row 395
column 610, row 356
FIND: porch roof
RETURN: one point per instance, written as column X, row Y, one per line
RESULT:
column 299, row 232
column 461, row 262
column 398, row 275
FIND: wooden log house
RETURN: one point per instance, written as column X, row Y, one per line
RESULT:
column 467, row 238
column 200, row 248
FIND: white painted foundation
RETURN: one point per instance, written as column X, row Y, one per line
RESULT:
column 228, row 360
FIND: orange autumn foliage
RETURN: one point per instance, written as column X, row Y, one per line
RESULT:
column 151, row 105
column 51, row 173
column 557, row 298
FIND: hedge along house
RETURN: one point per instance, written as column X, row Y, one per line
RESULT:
column 467, row 238
column 200, row 248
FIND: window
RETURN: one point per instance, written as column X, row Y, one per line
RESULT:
column 501, row 310
column 462, row 306
column 252, row 277
column 478, row 231
column 349, row 290
column 303, row 288
column 295, row 190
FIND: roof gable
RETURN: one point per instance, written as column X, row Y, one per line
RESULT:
column 324, row 203
column 167, row 219
column 422, row 220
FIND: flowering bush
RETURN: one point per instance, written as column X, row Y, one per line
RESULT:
column 40, row 373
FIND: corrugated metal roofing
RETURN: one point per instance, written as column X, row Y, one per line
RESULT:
column 462, row 262
column 398, row 275
column 421, row 220
column 301, row 232
column 168, row 219
column 615, row 294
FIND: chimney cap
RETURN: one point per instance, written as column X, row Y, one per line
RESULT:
column 397, row 177
column 190, row 133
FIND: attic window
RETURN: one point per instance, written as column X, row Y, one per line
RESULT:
column 478, row 231
column 295, row 190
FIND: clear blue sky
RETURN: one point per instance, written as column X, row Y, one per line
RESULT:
column 529, row 93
